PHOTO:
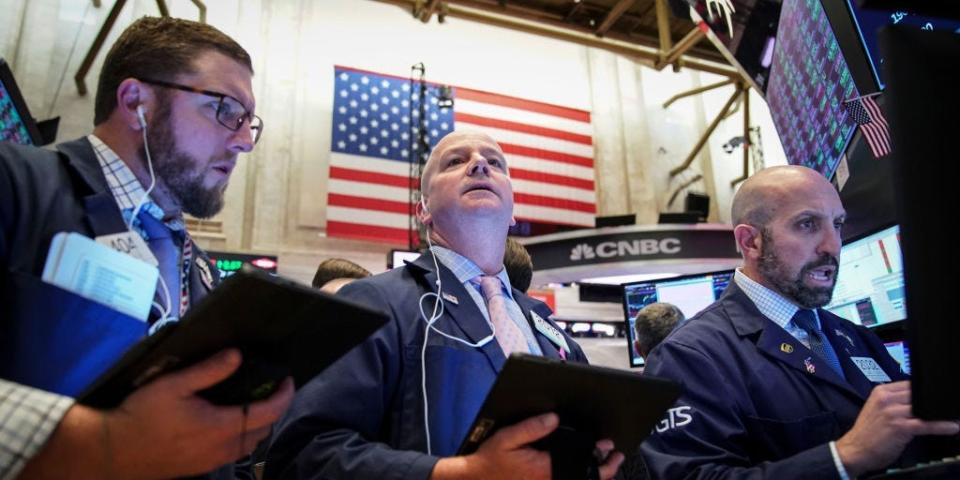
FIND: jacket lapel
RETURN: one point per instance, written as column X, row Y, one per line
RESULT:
column 102, row 214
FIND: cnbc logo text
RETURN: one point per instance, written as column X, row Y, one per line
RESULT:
column 625, row 248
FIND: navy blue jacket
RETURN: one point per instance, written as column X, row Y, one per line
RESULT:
column 757, row 402
column 363, row 416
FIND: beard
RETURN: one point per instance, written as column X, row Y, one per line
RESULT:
column 180, row 172
column 773, row 269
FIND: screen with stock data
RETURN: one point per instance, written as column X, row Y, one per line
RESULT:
column 870, row 287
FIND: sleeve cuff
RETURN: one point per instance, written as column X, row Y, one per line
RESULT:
column 29, row 418
column 842, row 472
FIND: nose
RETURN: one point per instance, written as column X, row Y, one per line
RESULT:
column 831, row 242
column 478, row 165
column 241, row 140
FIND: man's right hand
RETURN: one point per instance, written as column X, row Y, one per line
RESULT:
column 162, row 430
column 508, row 454
column 883, row 429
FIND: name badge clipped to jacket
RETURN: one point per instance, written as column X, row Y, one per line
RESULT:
column 551, row 333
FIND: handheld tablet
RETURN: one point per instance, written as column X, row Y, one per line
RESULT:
column 282, row 329
column 592, row 402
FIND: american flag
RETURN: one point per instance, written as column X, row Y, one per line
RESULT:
column 866, row 113
column 549, row 151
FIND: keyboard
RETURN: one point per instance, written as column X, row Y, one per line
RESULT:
column 947, row 468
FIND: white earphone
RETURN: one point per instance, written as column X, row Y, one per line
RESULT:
column 140, row 118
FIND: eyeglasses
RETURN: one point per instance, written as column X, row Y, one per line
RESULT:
column 230, row 112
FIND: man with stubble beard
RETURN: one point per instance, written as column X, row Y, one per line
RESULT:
column 174, row 109
column 775, row 386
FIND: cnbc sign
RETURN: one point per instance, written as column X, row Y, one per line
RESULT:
column 631, row 245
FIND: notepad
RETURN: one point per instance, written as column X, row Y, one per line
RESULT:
column 82, row 266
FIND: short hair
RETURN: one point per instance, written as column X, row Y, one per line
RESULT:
column 160, row 48
column 654, row 322
column 334, row 268
column 519, row 265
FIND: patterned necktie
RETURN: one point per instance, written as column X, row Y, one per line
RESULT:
column 165, row 247
column 804, row 318
column 508, row 334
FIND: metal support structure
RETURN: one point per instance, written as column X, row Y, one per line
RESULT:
column 663, row 28
column 686, row 43
column 615, row 13
column 419, row 147
column 746, row 138
column 696, row 178
column 696, row 91
column 427, row 11
column 79, row 78
column 741, row 88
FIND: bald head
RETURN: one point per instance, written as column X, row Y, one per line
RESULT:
column 767, row 191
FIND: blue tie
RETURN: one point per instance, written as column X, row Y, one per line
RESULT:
column 805, row 319
column 165, row 247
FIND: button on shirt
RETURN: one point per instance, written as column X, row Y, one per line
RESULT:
column 465, row 271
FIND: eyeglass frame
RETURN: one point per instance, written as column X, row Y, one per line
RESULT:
column 246, row 118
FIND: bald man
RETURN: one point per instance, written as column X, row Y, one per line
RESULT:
column 364, row 416
column 775, row 386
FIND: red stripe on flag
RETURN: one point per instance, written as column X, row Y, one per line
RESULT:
column 366, row 203
column 521, row 104
column 541, row 201
column 551, row 179
column 510, row 148
column 368, row 232
column 552, row 221
column 523, row 128
column 341, row 173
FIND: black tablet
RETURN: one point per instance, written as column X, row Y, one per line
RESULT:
column 593, row 402
column 282, row 328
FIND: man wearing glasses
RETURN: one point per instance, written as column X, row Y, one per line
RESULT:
column 174, row 109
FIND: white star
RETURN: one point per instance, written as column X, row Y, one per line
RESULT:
column 415, row 96
column 353, row 104
column 352, row 137
column 404, row 119
column 353, row 120
column 341, row 144
column 404, row 103
column 342, row 127
column 394, row 144
column 416, row 113
column 384, row 150
column 445, row 126
column 433, row 100
column 434, row 116
column 374, row 107
column 404, row 153
column 394, row 126
column 384, row 100
column 342, row 110
column 363, row 130
column 395, row 94
column 364, row 97
column 363, row 113
column 363, row 147
column 384, row 84
column 404, row 135
column 374, row 90
column 354, row 87
column 344, row 76
column 384, row 133
column 364, row 80
column 374, row 123
column 434, row 132
column 394, row 110
column 415, row 130
column 405, row 87
column 384, row 116
column 374, row 140
column 343, row 93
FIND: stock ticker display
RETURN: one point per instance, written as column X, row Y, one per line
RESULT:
column 12, row 128
column 809, row 81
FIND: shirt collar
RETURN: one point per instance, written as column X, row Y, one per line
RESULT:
column 770, row 303
column 464, row 269
column 126, row 189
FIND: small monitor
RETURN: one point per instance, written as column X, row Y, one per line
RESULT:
column 690, row 293
column 870, row 289
column 16, row 124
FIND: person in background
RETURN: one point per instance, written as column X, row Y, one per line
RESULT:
column 174, row 109
column 653, row 323
column 333, row 273
column 519, row 265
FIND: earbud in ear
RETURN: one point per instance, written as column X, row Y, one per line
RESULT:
column 423, row 203
column 140, row 118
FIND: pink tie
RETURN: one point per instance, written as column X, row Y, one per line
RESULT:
column 508, row 333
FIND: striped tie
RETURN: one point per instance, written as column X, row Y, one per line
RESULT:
column 805, row 319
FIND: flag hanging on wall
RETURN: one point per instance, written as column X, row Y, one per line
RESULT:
column 549, row 151
column 867, row 114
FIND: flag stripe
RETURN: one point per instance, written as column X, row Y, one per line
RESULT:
column 372, row 190
column 552, row 215
column 368, row 232
column 553, row 191
column 513, row 102
column 372, row 177
column 551, row 147
column 523, row 116
column 367, row 217
column 513, row 149
column 531, row 164
column 370, row 164
column 352, row 201
column 544, row 201
column 522, row 127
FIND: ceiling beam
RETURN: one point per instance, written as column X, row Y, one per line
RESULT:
column 428, row 10
column 615, row 13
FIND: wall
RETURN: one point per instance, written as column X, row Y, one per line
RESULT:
column 276, row 200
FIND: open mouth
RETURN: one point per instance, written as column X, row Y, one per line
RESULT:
column 480, row 187
column 825, row 274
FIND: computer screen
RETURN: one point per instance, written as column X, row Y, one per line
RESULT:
column 690, row 293
column 870, row 289
column 869, row 21
column 396, row 258
column 900, row 353
column 809, row 81
column 16, row 124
